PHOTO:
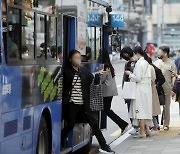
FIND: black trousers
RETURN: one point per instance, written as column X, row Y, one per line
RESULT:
column 110, row 113
column 76, row 113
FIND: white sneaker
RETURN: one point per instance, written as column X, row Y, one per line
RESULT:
column 166, row 128
column 154, row 132
column 134, row 132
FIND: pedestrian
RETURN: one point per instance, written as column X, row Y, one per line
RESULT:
column 141, row 107
column 76, row 98
column 168, row 68
column 127, row 54
column 109, row 91
column 177, row 62
column 157, row 80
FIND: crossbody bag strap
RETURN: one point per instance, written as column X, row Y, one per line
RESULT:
column 73, row 84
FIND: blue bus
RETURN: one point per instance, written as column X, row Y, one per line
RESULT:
column 30, row 79
column 32, row 35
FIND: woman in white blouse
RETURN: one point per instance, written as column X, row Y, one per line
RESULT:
column 141, row 107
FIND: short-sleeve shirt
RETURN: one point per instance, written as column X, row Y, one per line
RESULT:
column 167, row 68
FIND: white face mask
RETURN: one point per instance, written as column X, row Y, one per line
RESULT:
column 77, row 63
column 135, row 57
column 25, row 55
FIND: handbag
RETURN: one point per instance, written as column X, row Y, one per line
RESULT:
column 129, row 90
column 176, row 87
column 96, row 96
column 162, row 98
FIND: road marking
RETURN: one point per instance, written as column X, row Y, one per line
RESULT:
column 121, row 139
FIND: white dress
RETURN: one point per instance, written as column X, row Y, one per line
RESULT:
column 141, row 107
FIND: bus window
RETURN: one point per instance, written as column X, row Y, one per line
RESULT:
column 27, row 35
column 40, row 28
column 52, row 38
column 13, row 40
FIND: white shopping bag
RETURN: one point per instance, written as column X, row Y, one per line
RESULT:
column 129, row 90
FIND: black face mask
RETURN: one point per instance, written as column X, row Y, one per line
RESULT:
column 160, row 57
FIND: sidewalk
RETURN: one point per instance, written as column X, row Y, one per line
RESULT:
column 167, row 142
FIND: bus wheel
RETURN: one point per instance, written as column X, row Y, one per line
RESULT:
column 43, row 139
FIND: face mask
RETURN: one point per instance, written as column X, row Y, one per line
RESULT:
column 160, row 57
column 135, row 57
column 76, row 63
column 25, row 55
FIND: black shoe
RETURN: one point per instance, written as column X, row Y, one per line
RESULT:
column 106, row 149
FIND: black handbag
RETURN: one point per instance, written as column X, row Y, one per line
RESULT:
column 161, row 96
column 176, row 87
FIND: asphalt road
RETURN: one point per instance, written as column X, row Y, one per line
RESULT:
column 113, row 132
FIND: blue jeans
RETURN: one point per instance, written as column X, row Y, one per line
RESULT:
column 155, row 122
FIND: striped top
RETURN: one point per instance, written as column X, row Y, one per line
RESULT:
column 76, row 94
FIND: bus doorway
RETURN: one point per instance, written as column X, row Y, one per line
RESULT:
column 80, row 138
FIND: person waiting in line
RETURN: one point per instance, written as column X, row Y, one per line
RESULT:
column 141, row 107
column 109, row 91
column 77, row 81
column 177, row 63
column 168, row 68
column 156, row 110
column 127, row 54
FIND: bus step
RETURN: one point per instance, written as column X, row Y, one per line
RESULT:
column 65, row 150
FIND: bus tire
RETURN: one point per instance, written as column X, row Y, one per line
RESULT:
column 43, row 138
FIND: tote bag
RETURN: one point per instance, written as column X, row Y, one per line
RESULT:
column 96, row 97
column 129, row 90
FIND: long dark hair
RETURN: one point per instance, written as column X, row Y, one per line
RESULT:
column 142, row 52
column 165, row 49
column 106, row 60
column 71, row 54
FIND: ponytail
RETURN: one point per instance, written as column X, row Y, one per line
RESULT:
column 146, row 57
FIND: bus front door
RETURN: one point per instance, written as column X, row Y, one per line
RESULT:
column 69, row 35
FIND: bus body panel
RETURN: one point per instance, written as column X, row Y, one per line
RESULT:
column 55, row 109
column 11, row 88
